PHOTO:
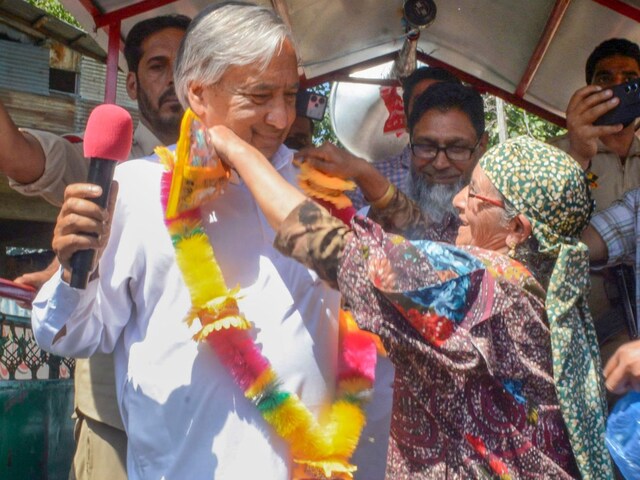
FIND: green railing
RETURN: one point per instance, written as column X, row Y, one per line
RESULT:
column 36, row 403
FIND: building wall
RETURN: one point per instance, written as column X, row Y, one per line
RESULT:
column 91, row 91
column 26, row 93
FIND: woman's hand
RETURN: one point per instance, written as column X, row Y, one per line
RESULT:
column 81, row 224
column 228, row 146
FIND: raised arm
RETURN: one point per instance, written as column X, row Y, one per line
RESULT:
column 585, row 106
column 391, row 208
column 62, row 318
column 338, row 162
column 21, row 156
column 273, row 194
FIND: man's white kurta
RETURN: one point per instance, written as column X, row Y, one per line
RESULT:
column 185, row 417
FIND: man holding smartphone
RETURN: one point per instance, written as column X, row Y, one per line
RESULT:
column 611, row 156
column 611, row 152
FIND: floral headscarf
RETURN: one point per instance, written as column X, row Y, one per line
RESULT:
column 549, row 188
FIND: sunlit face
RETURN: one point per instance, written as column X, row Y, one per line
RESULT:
column 614, row 70
column 152, row 84
column 451, row 128
column 481, row 219
column 258, row 105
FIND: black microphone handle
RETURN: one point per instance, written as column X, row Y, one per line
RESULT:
column 100, row 173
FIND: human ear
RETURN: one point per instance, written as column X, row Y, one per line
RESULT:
column 519, row 230
column 482, row 146
column 132, row 85
column 196, row 99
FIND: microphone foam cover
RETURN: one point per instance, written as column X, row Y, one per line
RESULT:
column 109, row 133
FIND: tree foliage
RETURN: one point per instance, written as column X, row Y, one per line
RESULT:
column 55, row 8
column 518, row 122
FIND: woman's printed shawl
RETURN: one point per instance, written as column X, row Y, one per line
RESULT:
column 466, row 329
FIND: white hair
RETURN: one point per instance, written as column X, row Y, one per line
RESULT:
column 225, row 35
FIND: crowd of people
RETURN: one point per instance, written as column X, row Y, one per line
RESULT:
column 470, row 264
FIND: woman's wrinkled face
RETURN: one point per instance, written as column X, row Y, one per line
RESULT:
column 481, row 212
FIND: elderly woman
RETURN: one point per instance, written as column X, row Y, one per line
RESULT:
column 497, row 369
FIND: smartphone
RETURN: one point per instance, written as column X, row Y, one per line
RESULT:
column 629, row 107
column 310, row 105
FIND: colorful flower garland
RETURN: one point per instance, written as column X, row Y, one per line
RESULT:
column 319, row 450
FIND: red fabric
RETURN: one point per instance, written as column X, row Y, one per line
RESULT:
column 344, row 214
column 72, row 138
column 393, row 101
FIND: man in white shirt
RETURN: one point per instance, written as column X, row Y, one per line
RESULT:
column 43, row 164
column 184, row 415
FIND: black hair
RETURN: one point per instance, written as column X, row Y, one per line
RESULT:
column 446, row 96
column 609, row 48
column 143, row 30
column 424, row 73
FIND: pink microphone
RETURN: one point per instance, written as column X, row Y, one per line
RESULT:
column 107, row 140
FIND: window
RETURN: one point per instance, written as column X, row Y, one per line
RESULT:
column 62, row 80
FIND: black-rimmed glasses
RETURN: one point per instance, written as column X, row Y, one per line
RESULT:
column 454, row 153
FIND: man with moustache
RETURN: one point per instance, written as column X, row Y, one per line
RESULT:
column 611, row 156
column 447, row 137
column 40, row 163
column 48, row 163
column 185, row 413
column 396, row 168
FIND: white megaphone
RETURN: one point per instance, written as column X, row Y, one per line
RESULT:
column 362, row 114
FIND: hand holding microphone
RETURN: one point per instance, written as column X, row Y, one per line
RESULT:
column 107, row 141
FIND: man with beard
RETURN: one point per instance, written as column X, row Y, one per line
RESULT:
column 446, row 128
column 41, row 163
column 396, row 168
column 48, row 163
column 447, row 138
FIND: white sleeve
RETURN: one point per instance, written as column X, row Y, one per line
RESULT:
column 93, row 319
column 65, row 164
column 59, row 306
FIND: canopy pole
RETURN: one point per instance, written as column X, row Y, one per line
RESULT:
column 111, row 86
column 550, row 29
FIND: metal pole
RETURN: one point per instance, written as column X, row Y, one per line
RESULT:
column 111, row 84
column 502, row 121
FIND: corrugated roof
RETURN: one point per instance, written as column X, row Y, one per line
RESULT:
column 529, row 52
column 41, row 25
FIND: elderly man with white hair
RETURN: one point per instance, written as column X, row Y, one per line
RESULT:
column 255, row 401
